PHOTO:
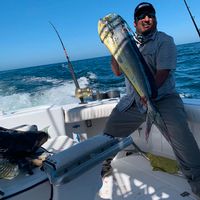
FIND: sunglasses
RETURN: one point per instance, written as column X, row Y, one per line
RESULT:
column 143, row 15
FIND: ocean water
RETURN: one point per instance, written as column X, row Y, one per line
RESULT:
column 52, row 84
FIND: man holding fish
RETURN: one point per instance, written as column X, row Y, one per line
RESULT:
column 151, row 100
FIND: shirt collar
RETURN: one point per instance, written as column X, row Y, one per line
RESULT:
column 142, row 39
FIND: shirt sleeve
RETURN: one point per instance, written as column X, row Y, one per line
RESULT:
column 167, row 55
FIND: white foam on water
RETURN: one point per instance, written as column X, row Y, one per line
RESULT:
column 40, row 79
column 14, row 102
column 60, row 95
column 57, row 95
column 185, row 95
column 83, row 82
column 92, row 75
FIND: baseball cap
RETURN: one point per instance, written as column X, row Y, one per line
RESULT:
column 143, row 7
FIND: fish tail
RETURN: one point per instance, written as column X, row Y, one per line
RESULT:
column 154, row 117
column 149, row 123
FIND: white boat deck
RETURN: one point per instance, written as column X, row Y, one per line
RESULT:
column 133, row 179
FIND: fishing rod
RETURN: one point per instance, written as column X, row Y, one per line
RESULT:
column 79, row 92
column 195, row 25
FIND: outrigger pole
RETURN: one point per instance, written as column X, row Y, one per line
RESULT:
column 198, row 31
column 69, row 63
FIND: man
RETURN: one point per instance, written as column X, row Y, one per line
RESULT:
column 159, row 52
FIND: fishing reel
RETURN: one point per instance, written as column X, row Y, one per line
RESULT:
column 88, row 93
column 83, row 92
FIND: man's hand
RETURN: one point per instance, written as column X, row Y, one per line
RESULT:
column 161, row 76
column 143, row 100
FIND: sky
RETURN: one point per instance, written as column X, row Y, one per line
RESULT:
column 27, row 38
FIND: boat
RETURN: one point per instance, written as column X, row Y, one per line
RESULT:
column 77, row 149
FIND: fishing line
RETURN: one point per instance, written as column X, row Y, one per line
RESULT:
column 68, row 62
column 195, row 25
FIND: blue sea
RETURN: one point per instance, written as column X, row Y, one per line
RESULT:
column 52, row 84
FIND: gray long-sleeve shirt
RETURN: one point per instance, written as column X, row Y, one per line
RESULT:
column 159, row 52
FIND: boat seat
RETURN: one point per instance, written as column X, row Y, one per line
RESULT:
column 91, row 110
column 26, row 127
column 55, row 144
column 58, row 144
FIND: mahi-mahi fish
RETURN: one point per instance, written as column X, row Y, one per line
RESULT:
column 117, row 36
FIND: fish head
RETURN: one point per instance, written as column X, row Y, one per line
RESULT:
column 111, row 30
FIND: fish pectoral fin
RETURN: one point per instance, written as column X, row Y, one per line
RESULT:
column 155, row 118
